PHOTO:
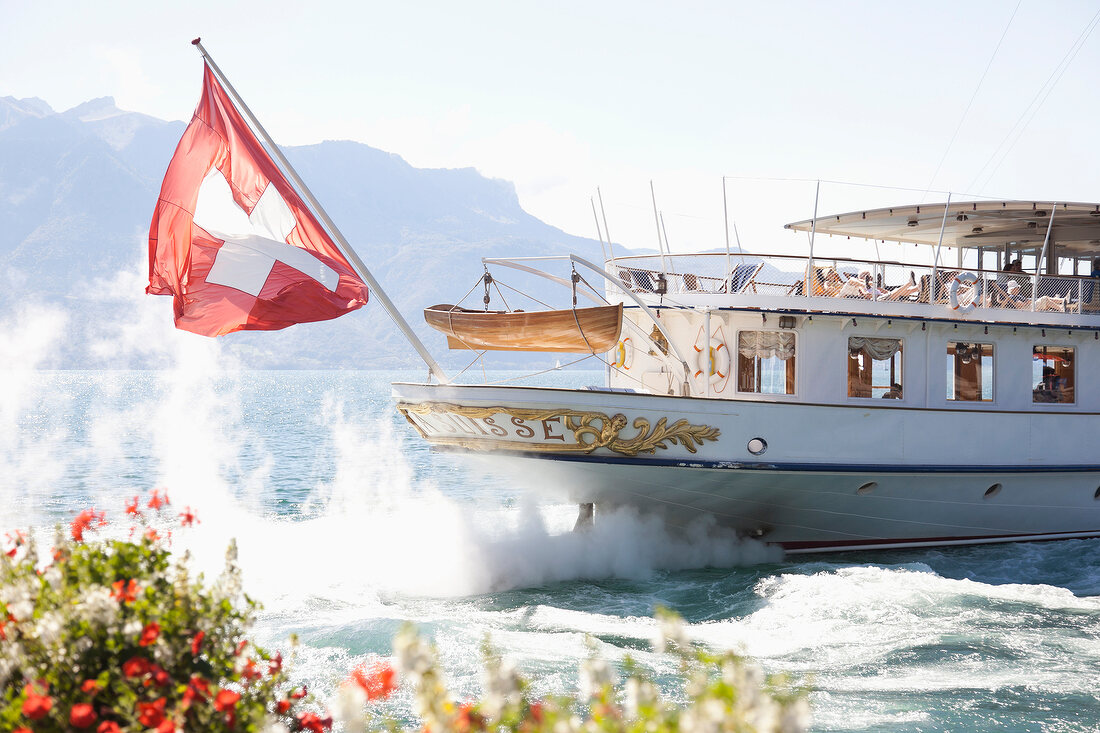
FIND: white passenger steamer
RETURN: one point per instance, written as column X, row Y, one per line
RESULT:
column 824, row 404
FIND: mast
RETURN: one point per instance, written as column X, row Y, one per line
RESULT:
column 322, row 215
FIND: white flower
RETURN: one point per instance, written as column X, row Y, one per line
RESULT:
column 501, row 683
column 21, row 610
column 97, row 607
column 53, row 577
column 795, row 717
column 639, row 694
column 595, row 674
column 48, row 629
column 670, row 634
column 132, row 627
column 350, row 709
column 412, row 655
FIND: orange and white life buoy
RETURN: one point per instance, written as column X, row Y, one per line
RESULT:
column 967, row 278
column 712, row 360
column 624, row 354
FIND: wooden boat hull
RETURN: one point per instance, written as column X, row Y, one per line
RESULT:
column 580, row 330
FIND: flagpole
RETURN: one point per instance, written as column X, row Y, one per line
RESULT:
column 319, row 210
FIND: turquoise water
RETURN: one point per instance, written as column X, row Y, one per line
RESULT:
column 349, row 526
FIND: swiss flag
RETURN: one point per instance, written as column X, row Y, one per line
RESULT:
column 232, row 242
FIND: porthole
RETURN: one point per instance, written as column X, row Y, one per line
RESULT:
column 992, row 491
column 757, row 446
column 867, row 488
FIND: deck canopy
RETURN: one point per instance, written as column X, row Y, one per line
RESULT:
column 1019, row 225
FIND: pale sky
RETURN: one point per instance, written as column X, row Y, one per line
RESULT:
column 562, row 97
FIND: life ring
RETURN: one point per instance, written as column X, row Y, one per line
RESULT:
column 714, row 362
column 967, row 278
column 624, row 354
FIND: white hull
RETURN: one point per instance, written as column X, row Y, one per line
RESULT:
column 832, row 477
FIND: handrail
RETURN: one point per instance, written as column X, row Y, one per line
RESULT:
column 855, row 261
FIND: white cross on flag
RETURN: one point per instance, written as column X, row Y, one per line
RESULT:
column 232, row 241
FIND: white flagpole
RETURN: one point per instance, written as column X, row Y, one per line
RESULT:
column 319, row 210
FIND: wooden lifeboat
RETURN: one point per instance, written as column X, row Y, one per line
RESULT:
column 580, row 330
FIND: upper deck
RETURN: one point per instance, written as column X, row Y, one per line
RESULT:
column 969, row 275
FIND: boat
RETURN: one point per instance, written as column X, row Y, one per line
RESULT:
column 826, row 404
column 576, row 330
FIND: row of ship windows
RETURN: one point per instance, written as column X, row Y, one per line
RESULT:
column 766, row 365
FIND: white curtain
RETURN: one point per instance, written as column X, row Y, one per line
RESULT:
column 878, row 349
column 765, row 344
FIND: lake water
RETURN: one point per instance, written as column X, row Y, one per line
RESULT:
column 348, row 526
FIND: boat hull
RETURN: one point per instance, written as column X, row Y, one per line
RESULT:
column 917, row 478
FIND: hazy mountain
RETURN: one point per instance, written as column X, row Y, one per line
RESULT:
column 77, row 190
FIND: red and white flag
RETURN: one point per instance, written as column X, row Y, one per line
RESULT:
column 231, row 240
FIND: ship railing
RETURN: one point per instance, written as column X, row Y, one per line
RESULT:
column 856, row 279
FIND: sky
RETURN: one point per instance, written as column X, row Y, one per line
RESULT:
column 563, row 97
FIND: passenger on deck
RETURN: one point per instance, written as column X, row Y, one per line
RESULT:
column 906, row 290
column 1014, row 298
column 894, row 393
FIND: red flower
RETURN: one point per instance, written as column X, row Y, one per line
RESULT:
column 536, row 712
column 135, row 667
column 151, row 535
column 156, row 501
column 467, row 718
column 108, row 726
column 81, row 715
column 166, row 727
column 125, row 590
column 240, row 647
column 22, row 730
column 300, row 694
column 36, row 706
column 188, row 518
column 275, row 664
column 250, row 671
column 132, row 508
column 226, row 700
column 196, row 643
column 197, row 689
column 149, row 634
column 89, row 687
column 84, row 522
column 160, row 677
column 151, row 714
column 314, row 722
column 282, row 706
column 377, row 680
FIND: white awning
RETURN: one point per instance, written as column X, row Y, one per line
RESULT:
column 987, row 224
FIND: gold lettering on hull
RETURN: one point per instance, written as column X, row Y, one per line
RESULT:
column 558, row 431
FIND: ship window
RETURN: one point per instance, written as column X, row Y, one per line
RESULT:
column 969, row 371
column 765, row 362
column 874, row 367
column 1052, row 370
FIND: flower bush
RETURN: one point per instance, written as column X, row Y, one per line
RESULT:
column 112, row 635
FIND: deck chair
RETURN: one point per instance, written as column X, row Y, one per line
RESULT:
column 742, row 277
column 643, row 280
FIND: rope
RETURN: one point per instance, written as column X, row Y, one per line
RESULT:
column 973, row 96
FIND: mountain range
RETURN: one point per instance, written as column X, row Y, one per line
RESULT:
column 77, row 190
